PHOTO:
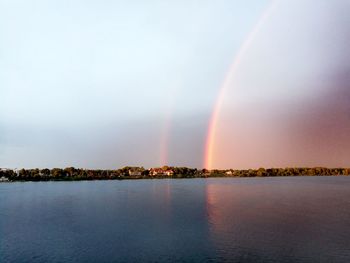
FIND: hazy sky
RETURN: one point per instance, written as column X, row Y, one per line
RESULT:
column 103, row 84
column 287, row 101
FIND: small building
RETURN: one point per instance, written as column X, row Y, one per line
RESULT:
column 4, row 179
column 169, row 172
column 160, row 172
column 229, row 172
column 156, row 171
column 135, row 171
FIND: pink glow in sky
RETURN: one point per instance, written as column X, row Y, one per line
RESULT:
column 285, row 100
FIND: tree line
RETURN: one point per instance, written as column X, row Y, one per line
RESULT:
column 128, row 172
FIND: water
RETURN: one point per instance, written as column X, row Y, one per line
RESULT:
column 295, row 219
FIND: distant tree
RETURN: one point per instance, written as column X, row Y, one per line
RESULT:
column 45, row 172
column 261, row 172
column 57, row 173
column 23, row 174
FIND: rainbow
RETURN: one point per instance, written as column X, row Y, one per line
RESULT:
column 164, row 141
column 212, row 127
column 165, row 131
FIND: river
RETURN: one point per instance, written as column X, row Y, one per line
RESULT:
column 281, row 219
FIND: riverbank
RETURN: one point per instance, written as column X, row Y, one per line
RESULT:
column 135, row 173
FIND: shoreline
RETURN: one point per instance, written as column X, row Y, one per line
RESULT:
column 165, row 172
column 122, row 178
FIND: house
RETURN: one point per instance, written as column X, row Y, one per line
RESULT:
column 135, row 171
column 4, row 179
column 229, row 172
column 156, row 171
column 160, row 172
column 169, row 172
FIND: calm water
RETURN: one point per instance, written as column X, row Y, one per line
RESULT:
column 300, row 219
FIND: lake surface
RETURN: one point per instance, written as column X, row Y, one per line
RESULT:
column 294, row 219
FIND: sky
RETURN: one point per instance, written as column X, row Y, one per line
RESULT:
column 105, row 84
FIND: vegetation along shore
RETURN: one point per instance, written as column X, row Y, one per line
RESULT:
column 128, row 172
